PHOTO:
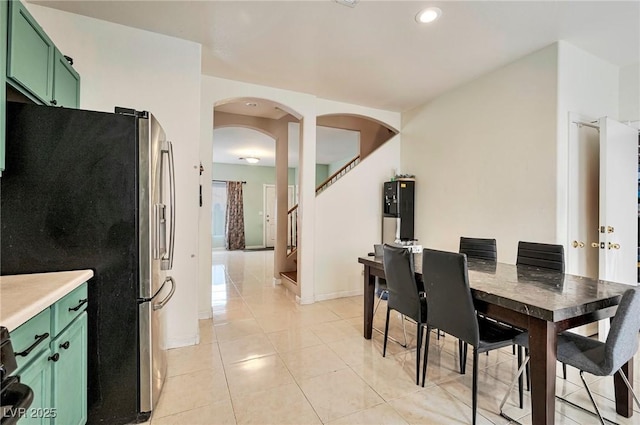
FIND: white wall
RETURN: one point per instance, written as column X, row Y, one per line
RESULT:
column 349, row 222
column 630, row 93
column 587, row 85
column 122, row 66
column 484, row 156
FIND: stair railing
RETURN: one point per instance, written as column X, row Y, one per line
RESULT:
column 338, row 174
column 292, row 229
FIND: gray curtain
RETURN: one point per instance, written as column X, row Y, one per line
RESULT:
column 234, row 235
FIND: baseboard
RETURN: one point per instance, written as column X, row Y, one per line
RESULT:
column 341, row 294
column 182, row 342
column 255, row 247
column 206, row 314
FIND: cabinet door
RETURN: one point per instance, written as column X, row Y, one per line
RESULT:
column 37, row 375
column 66, row 83
column 30, row 55
column 70, row 374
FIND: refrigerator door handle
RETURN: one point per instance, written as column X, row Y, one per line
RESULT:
column 167, row 262
column 159, row 305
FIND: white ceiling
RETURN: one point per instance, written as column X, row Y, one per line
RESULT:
column 332, row 144
column 374, row 54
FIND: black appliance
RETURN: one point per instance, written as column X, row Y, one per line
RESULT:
column 398, row 211
column 94, row 190
column 15, row 397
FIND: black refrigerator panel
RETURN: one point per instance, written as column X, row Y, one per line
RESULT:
column 398, row 210
column 69, row 201
column 390, row 196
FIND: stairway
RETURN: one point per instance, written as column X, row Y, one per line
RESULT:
column 291, row 275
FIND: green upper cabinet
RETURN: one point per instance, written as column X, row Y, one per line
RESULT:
column 35, row 67
column 66, row 83
column 31, row 54
column 4, row 8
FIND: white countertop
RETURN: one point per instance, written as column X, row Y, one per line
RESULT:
column 25, row 295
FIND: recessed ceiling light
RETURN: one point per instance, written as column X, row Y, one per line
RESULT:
column 427, row 15
column 251, row 104
column 350, row 3
column 250, row 159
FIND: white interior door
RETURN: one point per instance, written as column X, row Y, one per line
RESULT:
column 270, row 222
column 618, row 202
column 584, row 198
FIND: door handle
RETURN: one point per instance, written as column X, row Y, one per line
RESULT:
column 614, row 245
column 594, row 245
column 577, row 244
column 162, row 303
column 167, row 261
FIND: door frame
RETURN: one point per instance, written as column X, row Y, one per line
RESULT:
column 291, row 187
column 264, row 212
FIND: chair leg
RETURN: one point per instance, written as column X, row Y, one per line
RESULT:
column 426, row 355
column 520, row 379
column 379, row 301
column 418, row 347
column 404, row 331
column 528, row 370
column 386, row 333
column 515, row 379
column 513, row 347
column 564, row 371
column 463, row 358
column 475, row 385
column 591, row 397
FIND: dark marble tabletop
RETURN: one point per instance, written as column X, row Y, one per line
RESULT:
column 545, row 294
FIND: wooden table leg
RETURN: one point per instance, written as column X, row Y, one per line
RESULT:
column 542, row 348
column 624, row 398
column 369, row 288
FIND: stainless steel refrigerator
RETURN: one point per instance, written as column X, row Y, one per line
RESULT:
column 94, row 190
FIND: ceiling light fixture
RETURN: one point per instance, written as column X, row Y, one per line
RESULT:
column 251, row 104
column 428, row 15
column 250, row 159
column 349, row 3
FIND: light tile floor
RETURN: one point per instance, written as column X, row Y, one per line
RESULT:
column 264, row 359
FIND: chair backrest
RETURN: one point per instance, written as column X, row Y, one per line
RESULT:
column 399, row 271
column 448, row 294
column 484, row 249
column 543, row 255
column 622, row 341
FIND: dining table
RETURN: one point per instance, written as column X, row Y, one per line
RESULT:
column 544, row 302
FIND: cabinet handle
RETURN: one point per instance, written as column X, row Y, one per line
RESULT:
column 54, row 102
column 82, row 302
column 54, row 358
column 65, row 345
column 39, row 339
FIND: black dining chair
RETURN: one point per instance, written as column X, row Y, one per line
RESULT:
column 596, row 357
column 451, row 309
column 382, row 293
column 405, row 296
column 544, row 256
column 484, row 249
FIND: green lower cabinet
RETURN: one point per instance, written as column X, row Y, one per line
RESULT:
column 70, row 373
column 37, row 375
